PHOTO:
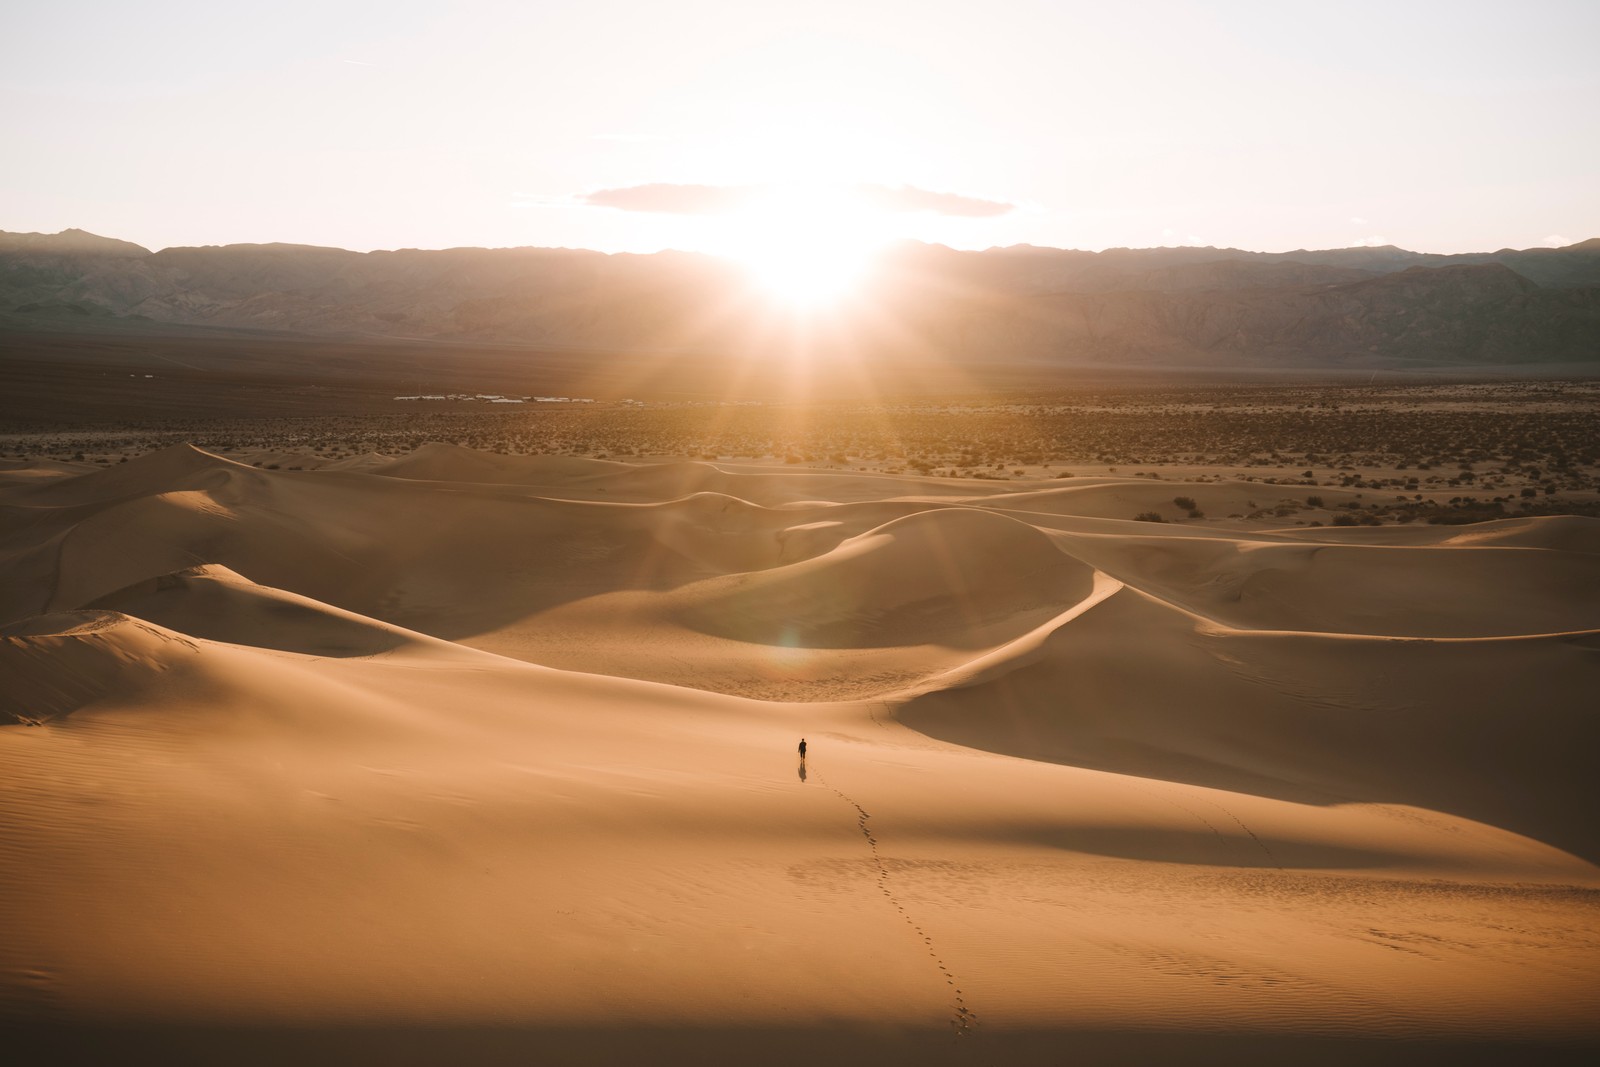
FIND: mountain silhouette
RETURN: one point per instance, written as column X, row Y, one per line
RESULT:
column 1185, row 307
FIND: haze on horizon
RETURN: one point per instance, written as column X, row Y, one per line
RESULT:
column 720, row 126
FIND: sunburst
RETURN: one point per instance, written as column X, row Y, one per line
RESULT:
column 808, row 249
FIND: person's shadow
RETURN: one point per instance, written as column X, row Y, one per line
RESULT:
column 802, row 768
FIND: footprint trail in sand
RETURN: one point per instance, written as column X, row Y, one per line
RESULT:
column 962, row 1019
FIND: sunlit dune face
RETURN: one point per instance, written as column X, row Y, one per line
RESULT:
column 808, row 249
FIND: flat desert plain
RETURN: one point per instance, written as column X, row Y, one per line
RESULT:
column 462, row 757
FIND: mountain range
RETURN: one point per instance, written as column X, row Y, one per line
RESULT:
column 1181, row 307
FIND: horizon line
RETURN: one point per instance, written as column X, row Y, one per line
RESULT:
column 898, row 242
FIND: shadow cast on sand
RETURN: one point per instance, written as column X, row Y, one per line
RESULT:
column 1449, row 725
column 1211, row 849
column 490, row 1046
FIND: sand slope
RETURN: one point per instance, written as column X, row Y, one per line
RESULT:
column 380, row 763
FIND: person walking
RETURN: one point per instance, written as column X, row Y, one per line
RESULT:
column 802, row 748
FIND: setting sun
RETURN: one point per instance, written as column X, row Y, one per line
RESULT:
column 808, row 248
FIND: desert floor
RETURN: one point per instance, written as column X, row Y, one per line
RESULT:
column 448, row 755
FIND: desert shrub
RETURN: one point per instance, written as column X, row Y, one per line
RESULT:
column 1149, row 516
column 1185, row 502
column 1344, row 520
column 1196, row 513
column 1313, row 501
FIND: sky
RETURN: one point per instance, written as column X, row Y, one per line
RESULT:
column 622, row 125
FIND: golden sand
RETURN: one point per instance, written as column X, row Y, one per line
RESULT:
column 501, row 751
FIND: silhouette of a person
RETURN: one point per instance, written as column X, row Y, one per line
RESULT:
column 802, row 748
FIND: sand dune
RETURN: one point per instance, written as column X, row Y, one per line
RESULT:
column 1322, row 718
column 780, row 486
column 1469, row 591
column 939, row 577
column 383, row 762
column 57, row 664
column 217, row 604
column 366, row 461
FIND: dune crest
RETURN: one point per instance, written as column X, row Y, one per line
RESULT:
column 56, row 664
column 937, row 577
column 213, row 602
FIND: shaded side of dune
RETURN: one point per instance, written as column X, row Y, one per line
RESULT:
column 215, row 603
column 1451, row 590
column 1498, row 730
column 53, row 665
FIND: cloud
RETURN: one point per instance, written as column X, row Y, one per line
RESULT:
column 667, row 198
column 1375, row 241
column 1358, row 220
column 909, row 198
column 1181, row 240
column 1555, row 240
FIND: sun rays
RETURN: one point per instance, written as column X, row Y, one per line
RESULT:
column 815, row 297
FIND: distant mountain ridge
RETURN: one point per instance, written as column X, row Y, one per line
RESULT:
column 1187, row 306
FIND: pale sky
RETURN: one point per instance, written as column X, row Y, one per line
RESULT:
column 624, row 125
